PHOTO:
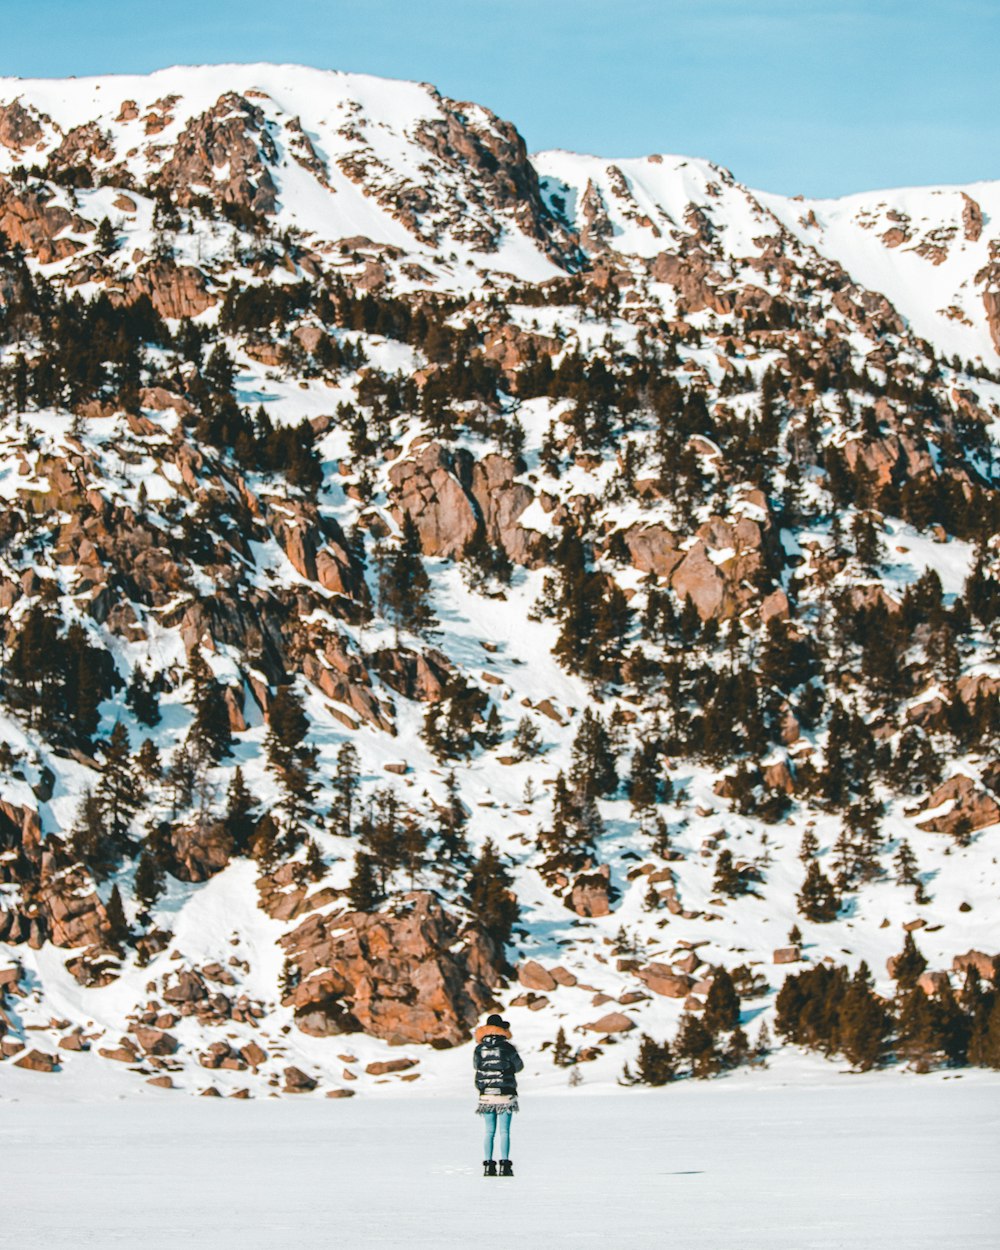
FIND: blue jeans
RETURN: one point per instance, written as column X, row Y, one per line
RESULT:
column 497, row 1120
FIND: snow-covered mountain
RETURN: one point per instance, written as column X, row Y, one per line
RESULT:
column 595, row 555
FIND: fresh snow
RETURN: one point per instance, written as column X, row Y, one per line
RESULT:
column 844, row 1163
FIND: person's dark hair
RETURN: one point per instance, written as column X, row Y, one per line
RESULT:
column 497, row 1022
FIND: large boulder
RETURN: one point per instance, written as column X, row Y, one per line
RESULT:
column 971, row 807
column 427, row 487
column 413, row 974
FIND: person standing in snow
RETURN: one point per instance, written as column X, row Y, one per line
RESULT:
column 497, row 1064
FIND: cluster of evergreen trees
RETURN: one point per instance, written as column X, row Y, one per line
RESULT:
column 826, row 1008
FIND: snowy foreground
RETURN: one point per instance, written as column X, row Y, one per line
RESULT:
column 882, row 1162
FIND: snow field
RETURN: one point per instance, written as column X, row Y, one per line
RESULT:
column 860, row 1163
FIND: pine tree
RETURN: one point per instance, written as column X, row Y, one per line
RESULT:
column 363, row 893
column 117, row 930
column 864, row 1025
column 292, row 762
column 210, row 734
column 90, row 840
column 490, row 898
column 593, row 769
column 909, row 964
column 265, row 844
column 655, row 1064
column 106, row 238
column 722, row 1006
column 404, row 587
column 527, row 741
column 118, row 790
column 562, row 1052
column 239, row 818
column 729, row 880
column 696, row 1044
column 452, row 821
column 346, row 782
column 148, row 760
column 817, row 900
column 149, row 882
column 141, row 697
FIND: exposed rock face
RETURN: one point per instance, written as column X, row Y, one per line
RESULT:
column 316, row 547
column 200, row 850
column 416, row 976
column 37, row 1061
column 613, row 1022
column 231, row 137
column 416, row 675
column 591, row 893
column 428, row 488
column 973, row 808
column 985, row 965
column 972, row 218
column 19, row 127
column 175, row 290
column 501, row 502
column 30, row 220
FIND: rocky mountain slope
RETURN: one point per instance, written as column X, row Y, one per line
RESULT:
column 435, row 577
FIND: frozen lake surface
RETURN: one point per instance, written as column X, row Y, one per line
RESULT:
column 890, row 1162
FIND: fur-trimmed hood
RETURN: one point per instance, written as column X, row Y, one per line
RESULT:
column 491, row 1030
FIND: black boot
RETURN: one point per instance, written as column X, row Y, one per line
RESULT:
column 489, row 1167
column 506, row 1167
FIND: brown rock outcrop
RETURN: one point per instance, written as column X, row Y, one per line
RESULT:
column 533, row 976
column 719, row 570
column 175, row 291
column 418, row 675
column 972, row 218
column 427, row 487
column 37, row 1061
column 613, row 1022
column 230, row 136
column 662, row 979
column 413, row 975
column 972, row 807
column 591, row 893
column 986, row 965
column 199, row 850
column 19, row 126
column 30, row 220
column 502, row 501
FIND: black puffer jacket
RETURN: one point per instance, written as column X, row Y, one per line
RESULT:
column 497, row 1063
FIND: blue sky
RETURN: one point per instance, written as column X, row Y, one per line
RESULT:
column 810, row 96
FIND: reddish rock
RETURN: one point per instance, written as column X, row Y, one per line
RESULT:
column 383, row 1067
column 562, row 976
column 161, row 1082
column 200, row 850
column 37, row 1061
column 973, row 808
column 253, row 1054
column 663, row 980
column 933, row 982
column 156, row 1041
column 533, row 976
column 340, row 1093
column 985, row 965
column 299, row 1082
column 73, row 1042
column 426, row 488
column 787, row 955
column 613, row 1022
column 591, row 894
column 412, row 976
